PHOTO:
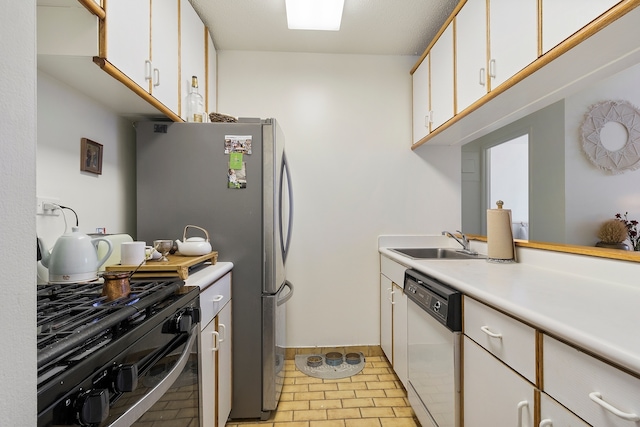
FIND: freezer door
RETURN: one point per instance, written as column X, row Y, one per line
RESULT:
column 274, row 312
column 278, row 206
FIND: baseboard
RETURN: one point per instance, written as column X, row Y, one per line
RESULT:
column 367, row 350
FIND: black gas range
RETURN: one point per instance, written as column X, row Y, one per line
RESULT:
column 107, row 363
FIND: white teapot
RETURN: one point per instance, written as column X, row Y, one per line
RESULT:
column 194, row 246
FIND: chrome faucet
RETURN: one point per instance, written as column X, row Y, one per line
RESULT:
column 464, row 241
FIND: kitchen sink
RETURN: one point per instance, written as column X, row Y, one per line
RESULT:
column 436, row 253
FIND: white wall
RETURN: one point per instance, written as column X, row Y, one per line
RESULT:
column 347, row 122
column 592, row 195
column 108, row 200
column 17, row 228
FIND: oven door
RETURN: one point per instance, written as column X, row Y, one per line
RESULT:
column 433, row 369
column 167, row 388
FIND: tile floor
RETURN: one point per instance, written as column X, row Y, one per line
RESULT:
column 373, row 398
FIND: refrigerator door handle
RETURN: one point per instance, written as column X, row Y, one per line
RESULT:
column 285, row 170
column 287, row 297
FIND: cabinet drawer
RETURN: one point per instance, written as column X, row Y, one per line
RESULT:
column 213, row 298
column 552, row 414
column 393, row 270
column 575, row 379
column 506, row 338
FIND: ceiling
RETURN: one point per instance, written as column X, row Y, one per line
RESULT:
column 377, row 27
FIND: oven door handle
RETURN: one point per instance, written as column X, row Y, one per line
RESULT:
column 144, row 404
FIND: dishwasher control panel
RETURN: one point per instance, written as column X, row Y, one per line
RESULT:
column 441, row 301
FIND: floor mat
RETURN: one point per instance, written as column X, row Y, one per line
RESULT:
column 331, row 367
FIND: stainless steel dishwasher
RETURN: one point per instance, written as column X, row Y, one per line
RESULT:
column 434, row 316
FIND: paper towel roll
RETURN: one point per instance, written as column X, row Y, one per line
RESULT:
column 500, row 245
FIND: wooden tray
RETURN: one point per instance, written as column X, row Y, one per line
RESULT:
column 177, row 265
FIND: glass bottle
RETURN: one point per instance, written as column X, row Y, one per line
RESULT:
column 194, row 103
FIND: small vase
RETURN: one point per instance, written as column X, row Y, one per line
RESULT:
column 622, row 246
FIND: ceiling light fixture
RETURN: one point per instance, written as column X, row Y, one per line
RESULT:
column 324, row 15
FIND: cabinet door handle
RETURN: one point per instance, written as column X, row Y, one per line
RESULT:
column 597, row 397
column 216, row 337
column 222, row 331
column 483, row 77
column 218, row 298
column 486, row 330
column 156, row 77
column 430, row 116
column 545, row 423
column 147, row 70
column 492, row 68
column 391, row 292
column 521, row 406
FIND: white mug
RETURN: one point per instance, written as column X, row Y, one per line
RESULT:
column 132, row 253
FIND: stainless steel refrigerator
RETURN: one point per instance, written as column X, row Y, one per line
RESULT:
column 233, row 180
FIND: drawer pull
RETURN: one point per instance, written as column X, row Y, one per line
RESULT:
column 216, row 337
column 217, row 298
column 597, row 397
column 521, row 406
column 223, row 330
column 545, row 423
column 486, row 330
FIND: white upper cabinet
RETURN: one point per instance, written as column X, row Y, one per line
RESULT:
column 562, row 18
column 442, row 108
column 421, row 116
column 164, row 52
column 192, row 52
column 127, row 39
column 513, row 35
column 471, row 53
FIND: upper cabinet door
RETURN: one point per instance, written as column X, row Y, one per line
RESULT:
column 562, row 18
column 421, row 116
column 192, row 52
column 471, row 53
column 127, row 37
column 442, row 96
column 513, row 35
column 164, row 52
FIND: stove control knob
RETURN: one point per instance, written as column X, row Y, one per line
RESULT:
column 93, row 407
column 436, row 306
column 183, row 322
column 125, row 378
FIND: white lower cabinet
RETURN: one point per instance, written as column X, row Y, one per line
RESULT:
column 552, row 414
column 494, row 395
column 596, row 391
column 215, row 353
column 393, row 317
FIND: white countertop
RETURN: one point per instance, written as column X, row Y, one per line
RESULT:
column 599, row 315
column 208, row 275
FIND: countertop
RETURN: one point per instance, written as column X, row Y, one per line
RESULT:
column 599, row 315
column 208, row 275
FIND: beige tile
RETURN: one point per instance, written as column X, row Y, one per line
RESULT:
column 371, row 393
column 357, row 403
column 364, row 378
column 342, row 394
column 291, row 424
column 307, row 380
column 368, row 422
column 377, row 385
column 390, row 401
column 325, row 404
column 294, row 405
column 286, row 397
column 343, row 414
column 282, row 416
column 312, row 414
column 377, row 412
column 395, row 392
column 387, row 377
column 399, row 422
column 404, row 412
column 295, row 388
column 327, row 423
column 352, row 386
column 323, row 387
column 310, row 395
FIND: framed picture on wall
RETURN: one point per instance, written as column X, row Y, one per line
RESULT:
column 90, row 156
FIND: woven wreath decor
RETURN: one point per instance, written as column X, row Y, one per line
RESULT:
column 613, row 161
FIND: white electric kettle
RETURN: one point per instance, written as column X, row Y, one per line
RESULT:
column 74, row 257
